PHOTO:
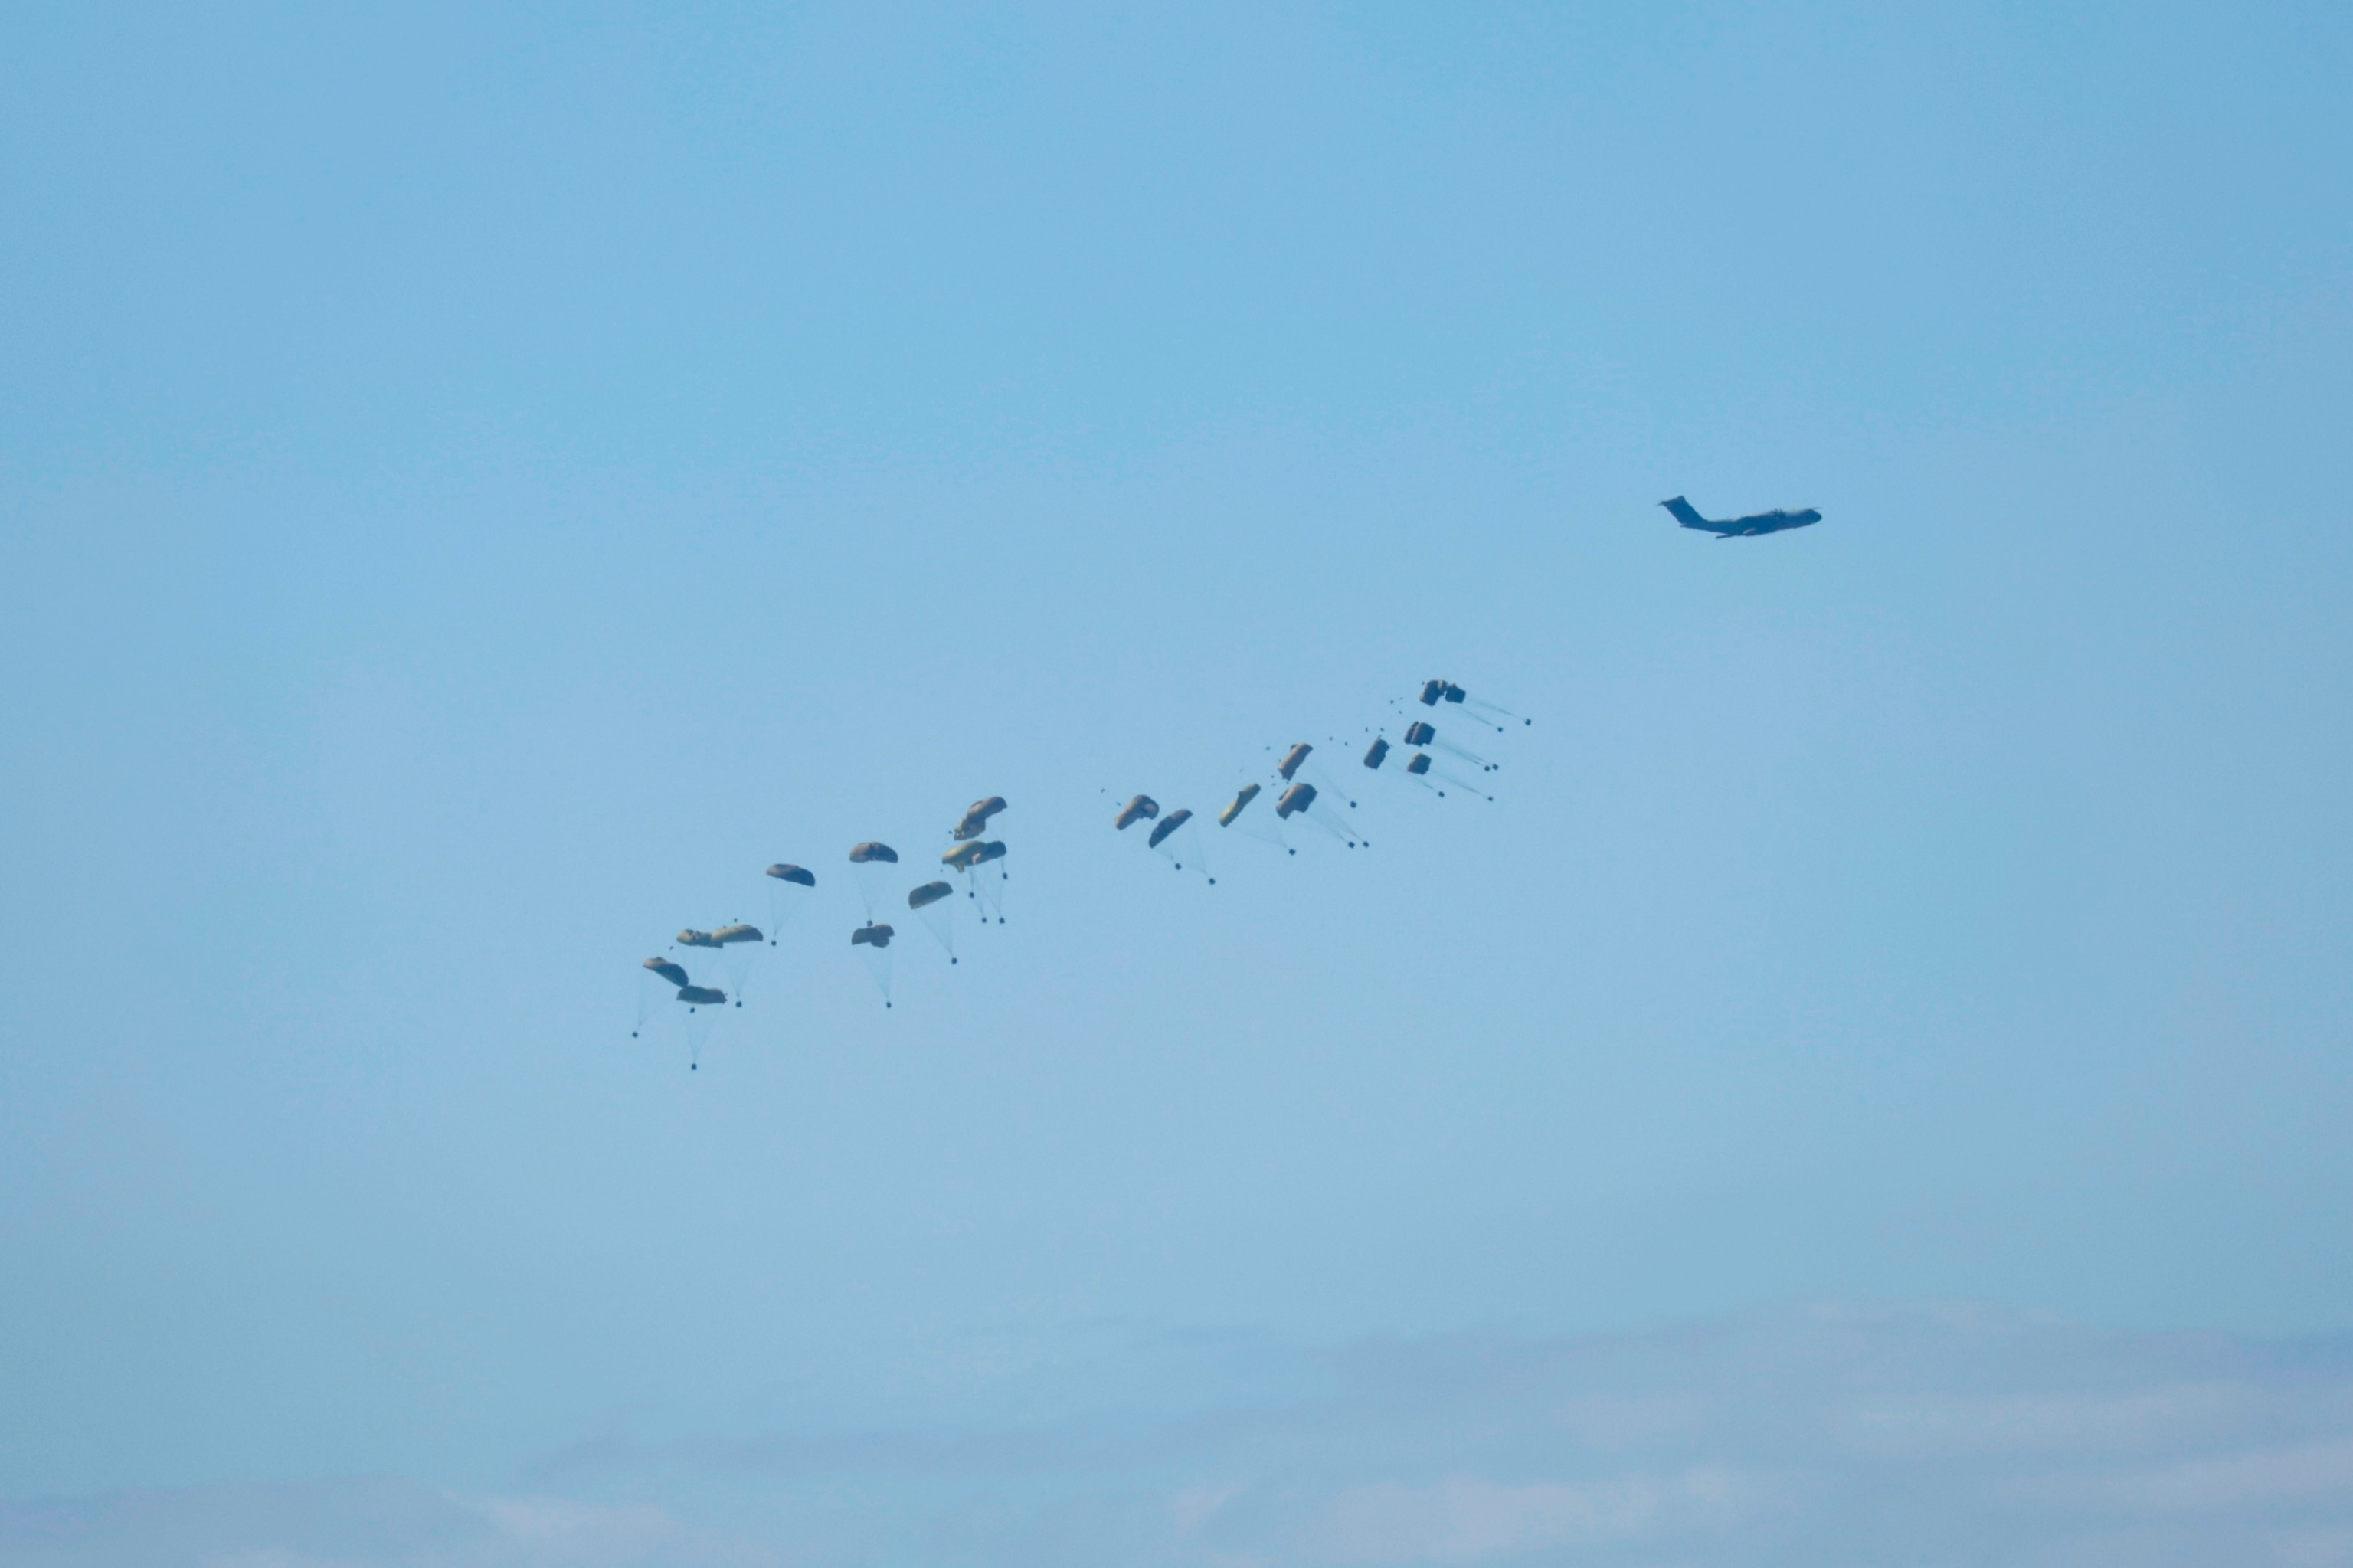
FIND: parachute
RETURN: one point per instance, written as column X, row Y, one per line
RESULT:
column 873, row 944
column 1258, row 825
column 1416, row 767
column 1176, row 840
column 1297, row 800
column 736, row 944
column 1421, row 733
column 934, row 902
column 988, row 878
column 1135, row 810
column 654, row 969
column 1299, row 768
column 987, row 886
column 976, row 818
column 1298, row 765
column 789, row 887
column 1423, row 773
column 694, row 938
column 1436, row 692
column 698, row 1023
column 874, row 881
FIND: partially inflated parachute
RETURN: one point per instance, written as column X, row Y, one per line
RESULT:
column 976, row 817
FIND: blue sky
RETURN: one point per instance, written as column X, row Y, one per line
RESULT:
column 476, row 484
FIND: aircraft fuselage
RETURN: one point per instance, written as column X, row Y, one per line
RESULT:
column 1740, row 527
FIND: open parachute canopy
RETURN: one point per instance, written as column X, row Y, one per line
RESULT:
column 727, row 936
column 872, row 936
column 1436, row 692
column 1135, row 811
column 702, row 995
column 1296, row 798
column 1423, row 733
column 1169, row 825
column 667, row 971
column 691, row 937
column 792, row 874
column 869, row 853
column 1291, row 760
column 1421, row 763
column 930, row 892
column 1233, row 807
column 1376, row 753
column 974, row 821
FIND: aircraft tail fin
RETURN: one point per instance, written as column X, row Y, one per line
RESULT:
column 1686, row 515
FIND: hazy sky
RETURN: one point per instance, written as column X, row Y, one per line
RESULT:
column 477, row 484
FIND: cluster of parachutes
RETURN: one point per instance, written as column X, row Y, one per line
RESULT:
column 971, row 855
column 1306, row 793
column 1427, row 755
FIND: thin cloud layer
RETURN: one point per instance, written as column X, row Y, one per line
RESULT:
column 1927, row 1436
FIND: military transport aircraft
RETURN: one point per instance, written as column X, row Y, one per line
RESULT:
column 1741, row 527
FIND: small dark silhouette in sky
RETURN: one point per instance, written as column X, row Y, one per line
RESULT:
column 1741, row 527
